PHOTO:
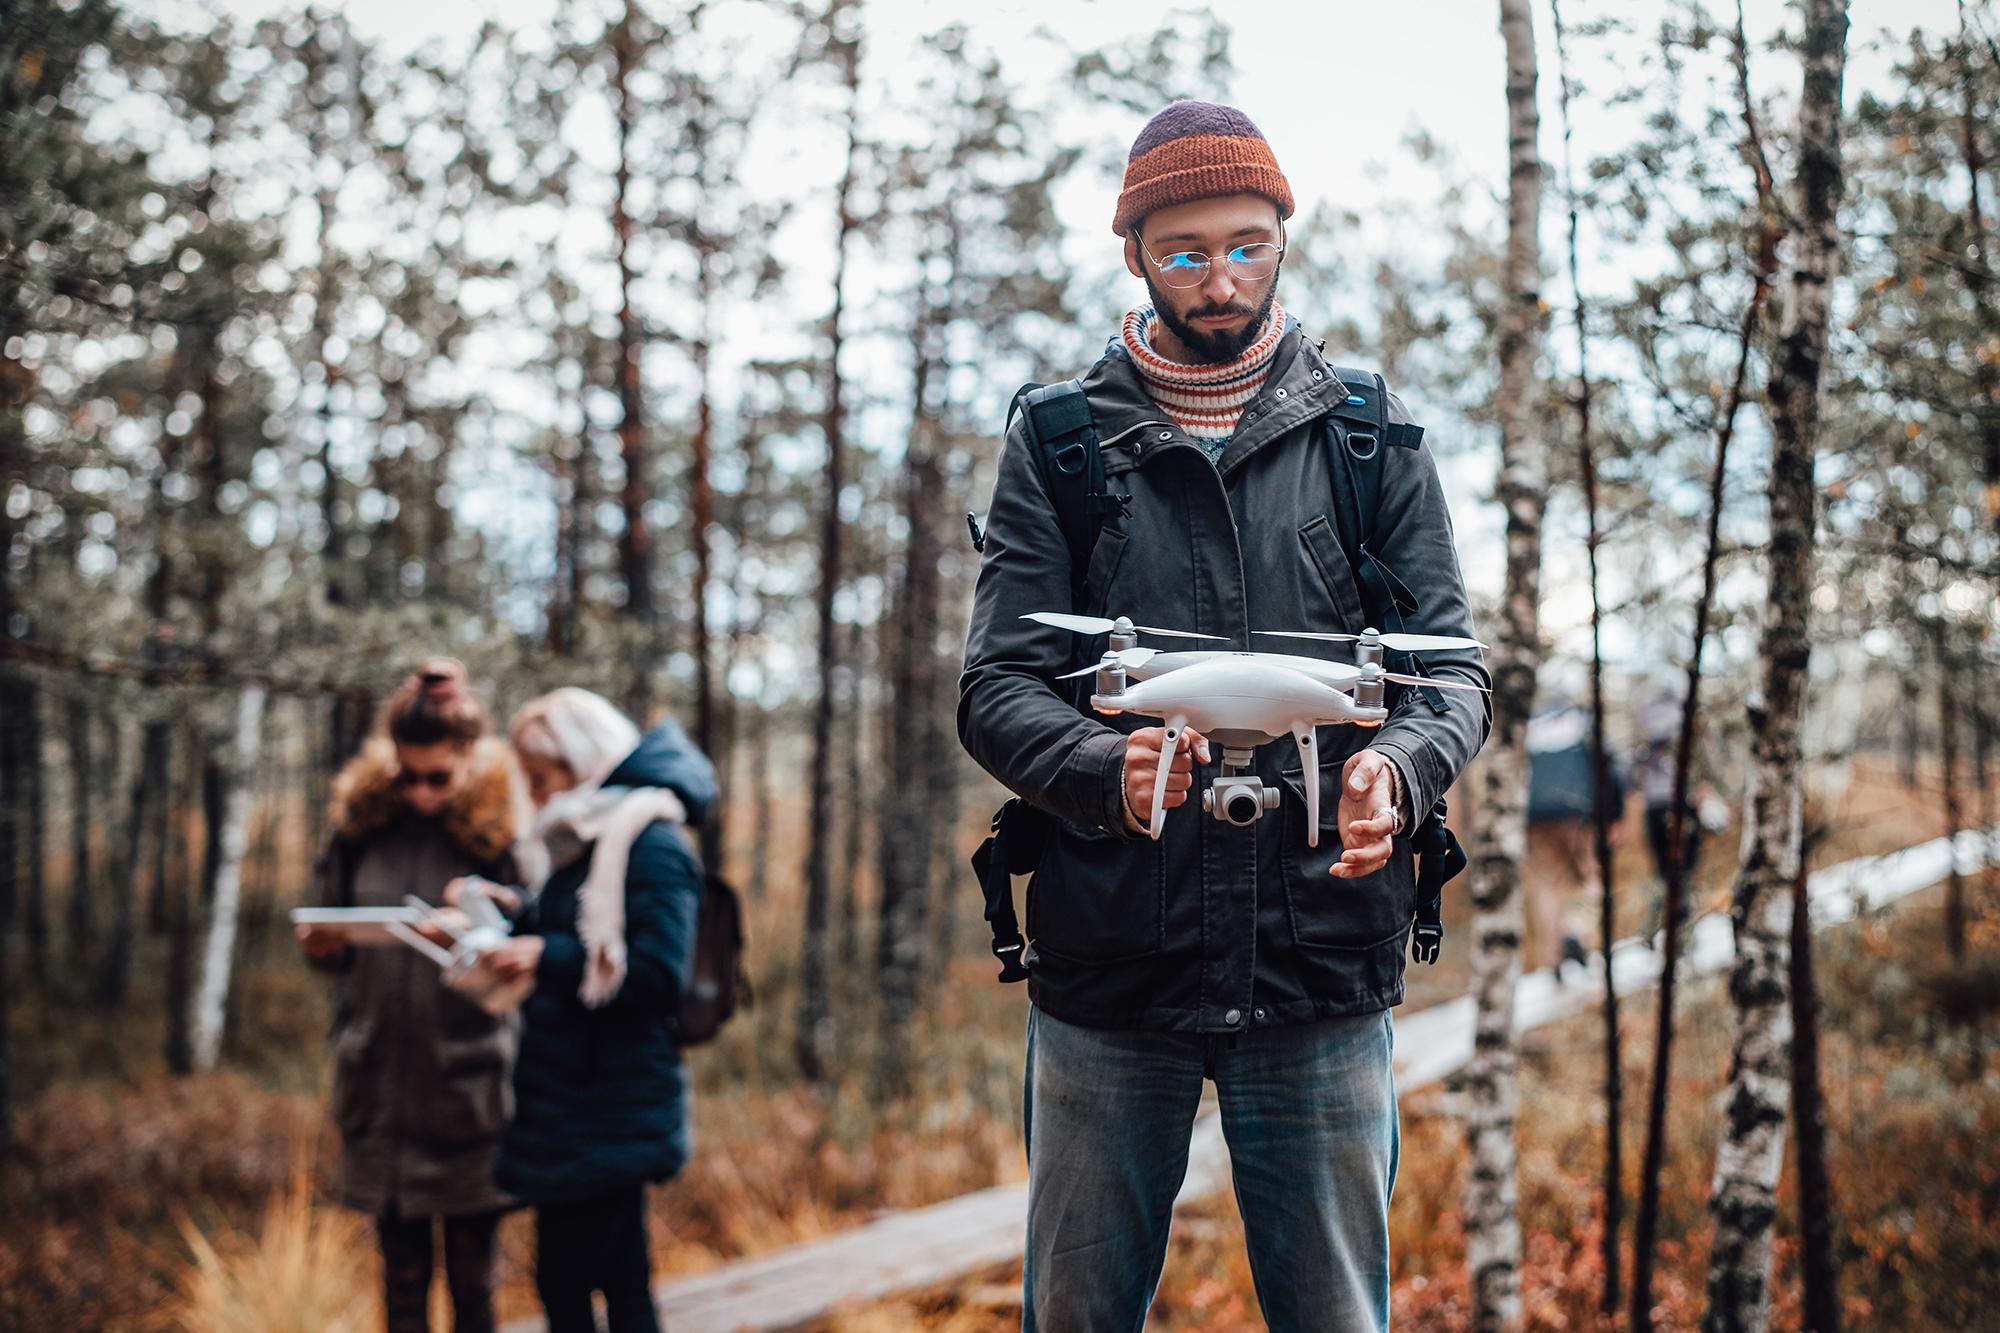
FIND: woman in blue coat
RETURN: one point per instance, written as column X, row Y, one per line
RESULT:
column 601, row 1096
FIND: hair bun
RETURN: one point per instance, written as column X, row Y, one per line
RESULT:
column 441, row 677
column 434, row 703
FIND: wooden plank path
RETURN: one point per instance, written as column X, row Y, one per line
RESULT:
column 923, row 1247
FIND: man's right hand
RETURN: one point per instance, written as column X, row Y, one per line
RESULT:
column 1142, row 771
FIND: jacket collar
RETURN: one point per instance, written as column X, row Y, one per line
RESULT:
column 482, row 819
column 1131, row 427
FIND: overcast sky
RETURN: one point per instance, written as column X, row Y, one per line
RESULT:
column 1308, row 73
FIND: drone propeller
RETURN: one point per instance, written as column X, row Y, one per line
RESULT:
column 1129, row 658
column 1402, row 643
column 1099, row 625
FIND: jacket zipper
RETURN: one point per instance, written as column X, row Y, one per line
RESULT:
column 1242, row 599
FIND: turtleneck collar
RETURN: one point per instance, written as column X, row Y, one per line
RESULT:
column 1204, row 400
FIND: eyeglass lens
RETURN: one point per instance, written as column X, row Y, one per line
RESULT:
column 1189, row 268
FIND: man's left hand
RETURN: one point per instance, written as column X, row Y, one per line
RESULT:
column 1367, row 815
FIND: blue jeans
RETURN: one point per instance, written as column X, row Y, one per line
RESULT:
column 1309, row 1113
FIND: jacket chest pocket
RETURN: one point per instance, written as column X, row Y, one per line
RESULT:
column 1105, row 558
column 1332, row 913
column 1098, row 898
column 1320, row 545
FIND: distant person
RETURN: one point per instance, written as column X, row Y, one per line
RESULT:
column 422, row 1076
column 601, row 1093
column 1652, row 768
column 1562, row 833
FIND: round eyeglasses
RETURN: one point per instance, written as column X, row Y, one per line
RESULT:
column 1189, row 268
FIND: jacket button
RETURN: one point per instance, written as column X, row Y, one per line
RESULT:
column 1259, row 1014
column 1166, row 435
column 1284, row 393
column 1233, row 1017
column 1319, row 374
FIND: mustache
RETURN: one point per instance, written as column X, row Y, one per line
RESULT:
column 1218, row 312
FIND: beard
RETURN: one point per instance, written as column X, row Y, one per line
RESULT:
column 1213, row 348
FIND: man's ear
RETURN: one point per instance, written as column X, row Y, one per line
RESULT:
column 1132, row 259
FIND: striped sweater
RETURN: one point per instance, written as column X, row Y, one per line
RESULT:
column 1204, row 400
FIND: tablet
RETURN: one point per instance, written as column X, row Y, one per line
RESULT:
column 360, row 925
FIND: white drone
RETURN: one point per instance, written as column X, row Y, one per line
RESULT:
column 476, row 927
column 1243, row 700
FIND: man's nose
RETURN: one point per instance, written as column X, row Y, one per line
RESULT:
column 1218, row 289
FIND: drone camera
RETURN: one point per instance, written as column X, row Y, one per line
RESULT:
column 1239, row 799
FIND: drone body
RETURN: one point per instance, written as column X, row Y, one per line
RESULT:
column 1146, row 663
column 1243, row 703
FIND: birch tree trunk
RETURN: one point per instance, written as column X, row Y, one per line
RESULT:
column 1493, row 1228
column 233, row 839
column 1756, row 1103
column 1819, row 1272
column 1770, row 231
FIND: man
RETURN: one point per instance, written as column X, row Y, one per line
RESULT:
column 1239, row 954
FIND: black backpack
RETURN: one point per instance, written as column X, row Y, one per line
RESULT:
column 1060, row 427
column 717, row 982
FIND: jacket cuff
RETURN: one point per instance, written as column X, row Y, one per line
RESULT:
column 1132, row 824
column 1416, row 772
column 1100, row 768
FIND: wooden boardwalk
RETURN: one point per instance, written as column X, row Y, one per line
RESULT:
column 927, row 1246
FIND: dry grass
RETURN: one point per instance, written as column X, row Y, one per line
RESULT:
column 306, row 1269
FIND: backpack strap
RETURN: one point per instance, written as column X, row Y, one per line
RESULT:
column 1361, row 429
column 1012, row 847
column 1065, row 438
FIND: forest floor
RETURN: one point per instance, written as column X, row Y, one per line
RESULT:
column 133, row 1199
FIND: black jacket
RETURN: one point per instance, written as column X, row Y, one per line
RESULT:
column 600, row 1095
column 1213, row 928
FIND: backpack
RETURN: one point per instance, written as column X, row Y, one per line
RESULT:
column 717, row 981
column 1064, row 437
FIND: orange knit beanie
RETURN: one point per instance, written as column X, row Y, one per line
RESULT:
column 1197, row 150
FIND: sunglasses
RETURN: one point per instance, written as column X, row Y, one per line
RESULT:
column 436, row 779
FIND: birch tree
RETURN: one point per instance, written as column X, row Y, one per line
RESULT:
column 1493, row 1228
column 1744, row 1198
column 232, row 838
column 1761, row 246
